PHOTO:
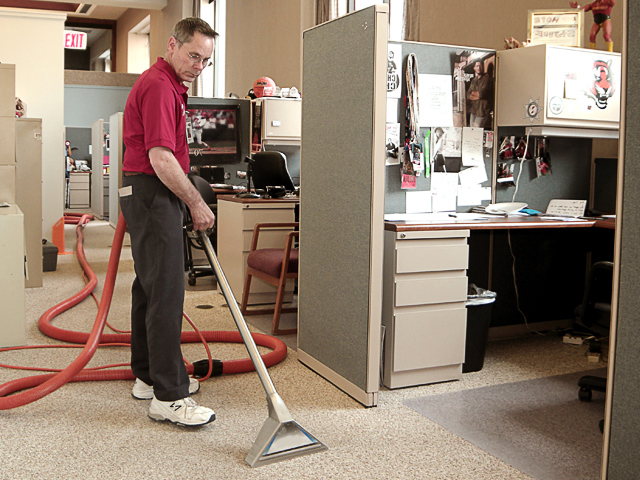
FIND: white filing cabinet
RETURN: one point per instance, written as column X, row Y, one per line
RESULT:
column 12, row 323
column 79, row 189
column 424, row 313
column 276, row 121
column 236, row 219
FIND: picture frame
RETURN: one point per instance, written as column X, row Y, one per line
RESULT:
column 562, row 27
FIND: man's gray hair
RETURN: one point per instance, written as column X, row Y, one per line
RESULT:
column 185, row 29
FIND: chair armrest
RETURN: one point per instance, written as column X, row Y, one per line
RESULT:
column 261, row 226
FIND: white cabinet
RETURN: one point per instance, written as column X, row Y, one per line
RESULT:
column 276, row 121
column 12, row 320
column 553, row 86
column 424, row 313
column 79, row 190
column 236, row 219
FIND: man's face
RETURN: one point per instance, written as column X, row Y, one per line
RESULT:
column 478, row 68
column 189, row 59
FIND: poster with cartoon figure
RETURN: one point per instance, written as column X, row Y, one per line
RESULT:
column 583, row 85
column 394, row 68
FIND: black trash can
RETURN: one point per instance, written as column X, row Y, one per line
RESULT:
column 49, row 256
column 479, row 307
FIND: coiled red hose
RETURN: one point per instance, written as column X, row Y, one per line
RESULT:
column 41, row 385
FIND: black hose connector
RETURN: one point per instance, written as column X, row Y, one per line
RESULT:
column 201, row 368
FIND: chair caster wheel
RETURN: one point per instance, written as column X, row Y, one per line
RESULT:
column 191, row 281
column 584, row 394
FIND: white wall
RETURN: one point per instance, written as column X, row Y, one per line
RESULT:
column 32, row 40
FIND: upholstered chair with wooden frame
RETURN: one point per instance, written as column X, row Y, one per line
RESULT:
column 274, row 266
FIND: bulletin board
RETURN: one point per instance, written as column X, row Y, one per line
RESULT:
column 457, row 154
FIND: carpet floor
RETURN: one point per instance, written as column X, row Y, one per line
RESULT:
column 538, row 426
column 96, row 430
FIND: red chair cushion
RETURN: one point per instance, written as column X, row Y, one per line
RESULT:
column 269, row 260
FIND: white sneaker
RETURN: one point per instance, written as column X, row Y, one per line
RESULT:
column 142, row 391
column 185, row 412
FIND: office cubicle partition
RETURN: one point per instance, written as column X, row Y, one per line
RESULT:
column 621, row 459
column 342, row 201
column 116, row 152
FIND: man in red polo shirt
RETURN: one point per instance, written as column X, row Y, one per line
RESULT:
column 154, row 192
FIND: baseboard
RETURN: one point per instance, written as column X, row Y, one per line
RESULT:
column 368, row 399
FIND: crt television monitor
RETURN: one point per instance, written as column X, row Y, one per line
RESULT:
column 217, row 130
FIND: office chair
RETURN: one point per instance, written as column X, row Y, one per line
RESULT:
column 594, row 315
column 270, row 170
column 191, row 242
column 274, row 266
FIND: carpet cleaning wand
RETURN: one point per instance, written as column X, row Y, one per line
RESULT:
column 281, row 437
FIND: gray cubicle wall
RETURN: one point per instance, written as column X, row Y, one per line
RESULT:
column 431, row 59
column 342, row 200
column 84, row 104
column 624, row 391
column 570, row 177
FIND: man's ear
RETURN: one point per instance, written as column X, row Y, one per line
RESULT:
column 172, row 44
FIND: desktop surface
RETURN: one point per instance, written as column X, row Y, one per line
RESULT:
column 486, row 223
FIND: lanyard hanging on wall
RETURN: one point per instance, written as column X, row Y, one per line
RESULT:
column 412, row 100
column 413, row 151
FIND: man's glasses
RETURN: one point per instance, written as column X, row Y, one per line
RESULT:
column 195, row 58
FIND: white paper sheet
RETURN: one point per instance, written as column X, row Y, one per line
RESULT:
column 435, row 100
column 452, row 145
column 473, row 194
column 394, row 70
column 444, row 201
column 473, row 176
column 392, row 110
column 472, row 139
column 418, row 202
column 392, row 144
column 444, row 182
column 574, row 208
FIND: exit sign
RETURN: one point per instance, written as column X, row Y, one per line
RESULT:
column 75, row 40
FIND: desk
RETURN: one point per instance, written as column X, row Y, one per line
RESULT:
column 236, row 219
column 424, row 293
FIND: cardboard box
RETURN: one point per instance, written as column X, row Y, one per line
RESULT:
column 7, row 141
column 7, row 90
column 8, row 183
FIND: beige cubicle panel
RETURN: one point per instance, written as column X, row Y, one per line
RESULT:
column 29, row 193
column 97, row 178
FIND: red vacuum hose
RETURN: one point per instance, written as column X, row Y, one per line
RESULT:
column 42, row 385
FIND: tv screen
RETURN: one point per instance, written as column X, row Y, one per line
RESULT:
column 212, row 134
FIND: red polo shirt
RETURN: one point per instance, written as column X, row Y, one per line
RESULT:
column 154, row 116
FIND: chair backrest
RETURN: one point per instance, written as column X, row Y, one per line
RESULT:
column 204, row 188
column 596, row 307
column 270, row 170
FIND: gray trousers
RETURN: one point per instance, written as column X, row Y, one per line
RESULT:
column 154, row 217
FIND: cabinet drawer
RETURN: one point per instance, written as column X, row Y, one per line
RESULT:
column 429, row 339
column 432, row 256
column 413, row 290
column 78, row 198
column 261, row 215
column 79, row 179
